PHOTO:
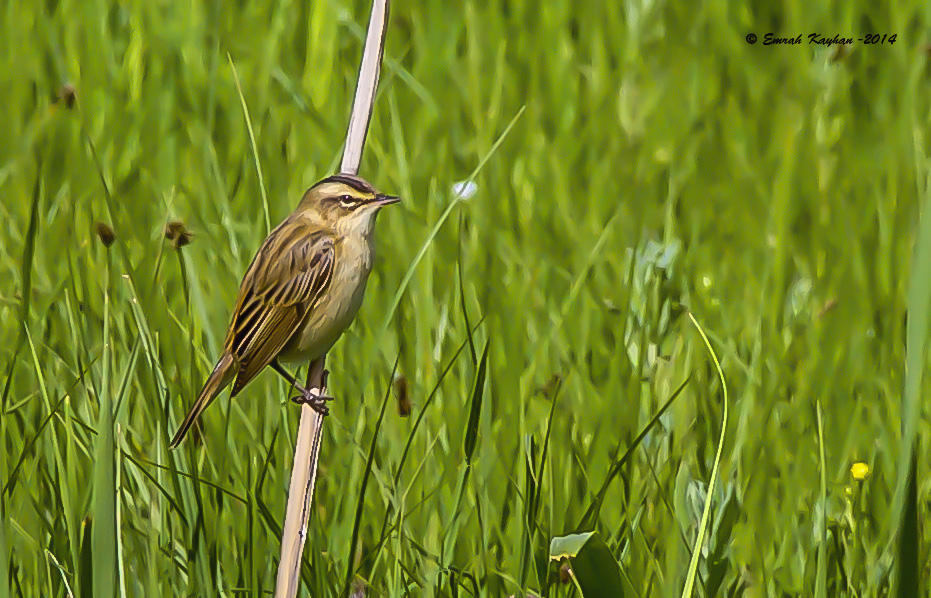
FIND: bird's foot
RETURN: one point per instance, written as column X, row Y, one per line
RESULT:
column 316, row 400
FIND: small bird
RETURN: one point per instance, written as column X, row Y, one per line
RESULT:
column 301, row 291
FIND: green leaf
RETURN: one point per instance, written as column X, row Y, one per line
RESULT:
column 462, row 298
column 103, row 538
column 916, row 346
column 909, row 567
column 478, row 391
column 593, row 566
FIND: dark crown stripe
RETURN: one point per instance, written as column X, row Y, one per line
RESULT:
column 349, row 180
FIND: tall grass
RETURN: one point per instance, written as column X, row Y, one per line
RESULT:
column 659, row 163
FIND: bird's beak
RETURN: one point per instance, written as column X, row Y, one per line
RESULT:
column 384, row 200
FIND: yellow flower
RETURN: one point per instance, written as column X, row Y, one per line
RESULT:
column 860, row 471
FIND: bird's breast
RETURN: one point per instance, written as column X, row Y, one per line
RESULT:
column 337, row 307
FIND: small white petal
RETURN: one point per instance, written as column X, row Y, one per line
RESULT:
column 464, row 189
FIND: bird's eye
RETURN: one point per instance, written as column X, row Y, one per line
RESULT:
column 347, row 201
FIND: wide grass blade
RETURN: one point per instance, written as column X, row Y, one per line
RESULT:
column 908, row 563
column 103, row 538
column 905, row 498
column 475, row 407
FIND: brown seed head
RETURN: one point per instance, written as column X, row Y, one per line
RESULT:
column 178, row 234
column 551, row 387
column 105, row 233
column 565, row 573
column 67, row 95
column 173, row 228
column 184, row 238
column 840, row 52
column 404, row 400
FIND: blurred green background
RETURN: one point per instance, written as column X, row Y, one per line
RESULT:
column 648, row 160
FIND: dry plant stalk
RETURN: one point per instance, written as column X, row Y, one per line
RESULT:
column 307, row 447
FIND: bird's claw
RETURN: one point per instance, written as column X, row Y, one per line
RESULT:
column 317, row 402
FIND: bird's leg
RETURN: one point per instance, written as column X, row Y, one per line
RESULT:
column 316, row 400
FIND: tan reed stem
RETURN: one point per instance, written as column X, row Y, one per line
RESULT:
column 307, row 448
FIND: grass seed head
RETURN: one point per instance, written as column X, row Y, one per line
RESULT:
column 105, row 233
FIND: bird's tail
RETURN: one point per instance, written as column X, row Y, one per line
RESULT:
column 222, row 375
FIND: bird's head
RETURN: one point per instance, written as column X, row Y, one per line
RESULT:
column 345, row 202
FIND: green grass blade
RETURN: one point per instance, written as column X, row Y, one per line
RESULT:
column 712, row 482
column 4, row 548
column 10, row 483
column 428, row 402
column 29, row 252
column 442, row 219
column 916, row 330
column 475, row 407
column 383, row 536
column 462, row 298
column 369, row 463
column 588, row 520
column 61, row 571
column 821, row 582
column 104, row 532
column 252, row 145
column 908, row 582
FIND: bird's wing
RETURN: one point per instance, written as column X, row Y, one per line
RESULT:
column 288, row 275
